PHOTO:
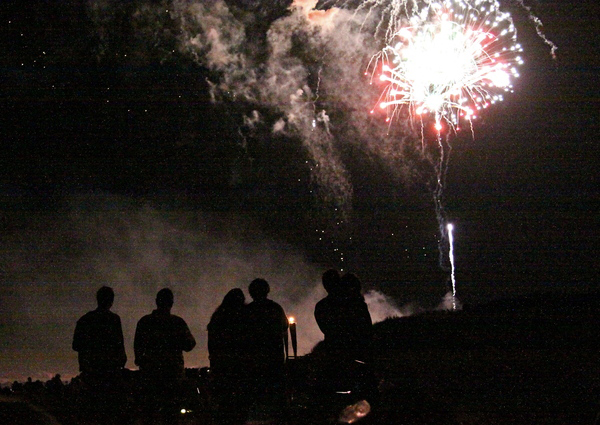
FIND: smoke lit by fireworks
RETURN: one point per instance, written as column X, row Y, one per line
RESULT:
column 448, row 60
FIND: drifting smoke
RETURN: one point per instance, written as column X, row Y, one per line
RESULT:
column 450, row 302
column 303, row 71
column 53, row 264
column 213, row 35
column 381, row 307
column 297, row 69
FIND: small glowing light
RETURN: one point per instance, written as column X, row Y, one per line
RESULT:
column 291, row 320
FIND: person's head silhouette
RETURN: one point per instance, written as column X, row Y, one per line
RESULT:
column 351, row 283
column 234, row 298
column 331, row 281
column 164, row 299
column 258, row 289
column 105, row 297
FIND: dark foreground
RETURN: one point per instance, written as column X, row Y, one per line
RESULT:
column 532, row 360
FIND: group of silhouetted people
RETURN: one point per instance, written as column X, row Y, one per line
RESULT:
column 246, row 342
column 160, row 339
column 247, row 353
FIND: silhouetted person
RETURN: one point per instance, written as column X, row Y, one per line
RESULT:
column 267, row 328
column 227, row 343
column 344, row 319
column 160, row 339
column 343, row 316
column 325, row 310
column 98, row 339
column 359, row 323
column 227, row 333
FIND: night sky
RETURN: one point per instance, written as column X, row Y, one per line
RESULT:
column 200, row 145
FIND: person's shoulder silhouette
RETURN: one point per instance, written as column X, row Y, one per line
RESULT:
column 98, row 337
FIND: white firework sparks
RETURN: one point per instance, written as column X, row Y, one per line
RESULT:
column 448, row 59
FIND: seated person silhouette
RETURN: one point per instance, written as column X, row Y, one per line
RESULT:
column 98, row 340
column 160, row 340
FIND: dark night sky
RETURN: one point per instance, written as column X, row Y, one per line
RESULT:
column 131, row 155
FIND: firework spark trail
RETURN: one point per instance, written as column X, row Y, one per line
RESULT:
column 441, row 170
column 450, row 228
column 449, row 60
column 538, row 28
column 442, row 61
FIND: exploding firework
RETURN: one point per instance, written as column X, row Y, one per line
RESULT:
column 443, row 62
column 447, row 60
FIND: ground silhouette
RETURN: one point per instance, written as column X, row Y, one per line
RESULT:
column 526, row 360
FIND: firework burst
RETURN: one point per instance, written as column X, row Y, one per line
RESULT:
column 448, row 60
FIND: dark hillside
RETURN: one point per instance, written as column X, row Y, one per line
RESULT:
column 528, row 360
column 534, row 321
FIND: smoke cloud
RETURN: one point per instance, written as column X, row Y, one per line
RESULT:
column 53, row 264
column 382, row 307
column 304, row 69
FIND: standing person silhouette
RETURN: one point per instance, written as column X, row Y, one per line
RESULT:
column 359, row 335
column 344, row 319
column 227, row 343
column 98, row 340
column 343, row 316
column 267, row 328
column 160, row 339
